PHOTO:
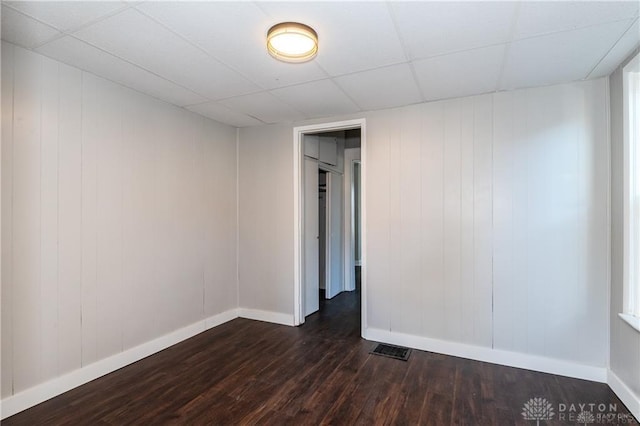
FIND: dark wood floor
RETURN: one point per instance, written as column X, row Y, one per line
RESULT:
column 251, row 372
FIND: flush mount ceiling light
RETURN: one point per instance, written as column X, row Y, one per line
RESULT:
column 292, row 42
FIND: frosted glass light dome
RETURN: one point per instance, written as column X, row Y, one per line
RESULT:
column 292, row 42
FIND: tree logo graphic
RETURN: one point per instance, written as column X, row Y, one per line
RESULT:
column 586, row 417
column 537, row 409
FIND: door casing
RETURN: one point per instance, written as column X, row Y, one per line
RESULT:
column 298, row 210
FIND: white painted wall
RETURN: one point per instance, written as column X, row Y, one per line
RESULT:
column 118, row 219
column 551, row 222
column 429, row 220
column 486, row 222
column 520, row 177
column 265, row 176
column 625, row 341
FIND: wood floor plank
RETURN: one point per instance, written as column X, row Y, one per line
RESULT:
column 254, row 373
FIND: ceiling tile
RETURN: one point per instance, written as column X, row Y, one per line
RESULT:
column 317, row 99
column 460, row 74
column 559, row 57
column 539, row 17
column 382, row 88
column 352, row 36
column 215, row 111
column 623, row 48
column 213, row 26
column 263, row 106
column 81, row 55
column 24, row 31
column 435, row 28
column 136, row 38
column 66, row 15
column 190, row 53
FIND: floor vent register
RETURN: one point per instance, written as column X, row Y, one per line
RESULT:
column 391, row 351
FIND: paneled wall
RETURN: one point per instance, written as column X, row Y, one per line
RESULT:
column 550, row 222
column 429, row 220
column 486, row 224
column 265, row 261
column 118, row 219
column 487, row 221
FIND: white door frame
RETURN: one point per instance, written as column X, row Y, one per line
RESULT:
column 298, row 210
column 327, row 232
column 349, row 214
column 311, row 283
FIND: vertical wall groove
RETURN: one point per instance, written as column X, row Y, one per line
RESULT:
column 106, row 192
column 507, row 210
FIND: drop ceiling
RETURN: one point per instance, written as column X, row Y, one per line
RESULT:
column 210, row 57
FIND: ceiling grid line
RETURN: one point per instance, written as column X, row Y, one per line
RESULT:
column 210, row 58
column 405, row 50
column 612, row 47
column 128, row 62
column 65, row 31
column 196, row 46
column 61, row 34
column 507, row 48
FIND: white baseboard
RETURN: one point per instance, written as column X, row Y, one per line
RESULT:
column 220, row 318
column 267, row 316
column 494, row 356
column 626, row 395
column 42, row 392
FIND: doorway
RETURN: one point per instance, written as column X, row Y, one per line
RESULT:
column 322, row 243
column 324, row 217
column 339, row 251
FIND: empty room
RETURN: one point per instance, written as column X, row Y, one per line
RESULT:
column 334, row 212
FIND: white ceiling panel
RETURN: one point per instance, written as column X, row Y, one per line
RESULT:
column 67, row 15
column 138, row 39
column 460, row 74
column 352, row 36
column 317, row 99
column 213, row 26
column 623, row 48
column 435, row 28
column 24, row 31
column 215, row 111
column 386, row 87
column 559, row 57
column 263, row 106
column 536, row 18
column 373, row 54
column 81, row 55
